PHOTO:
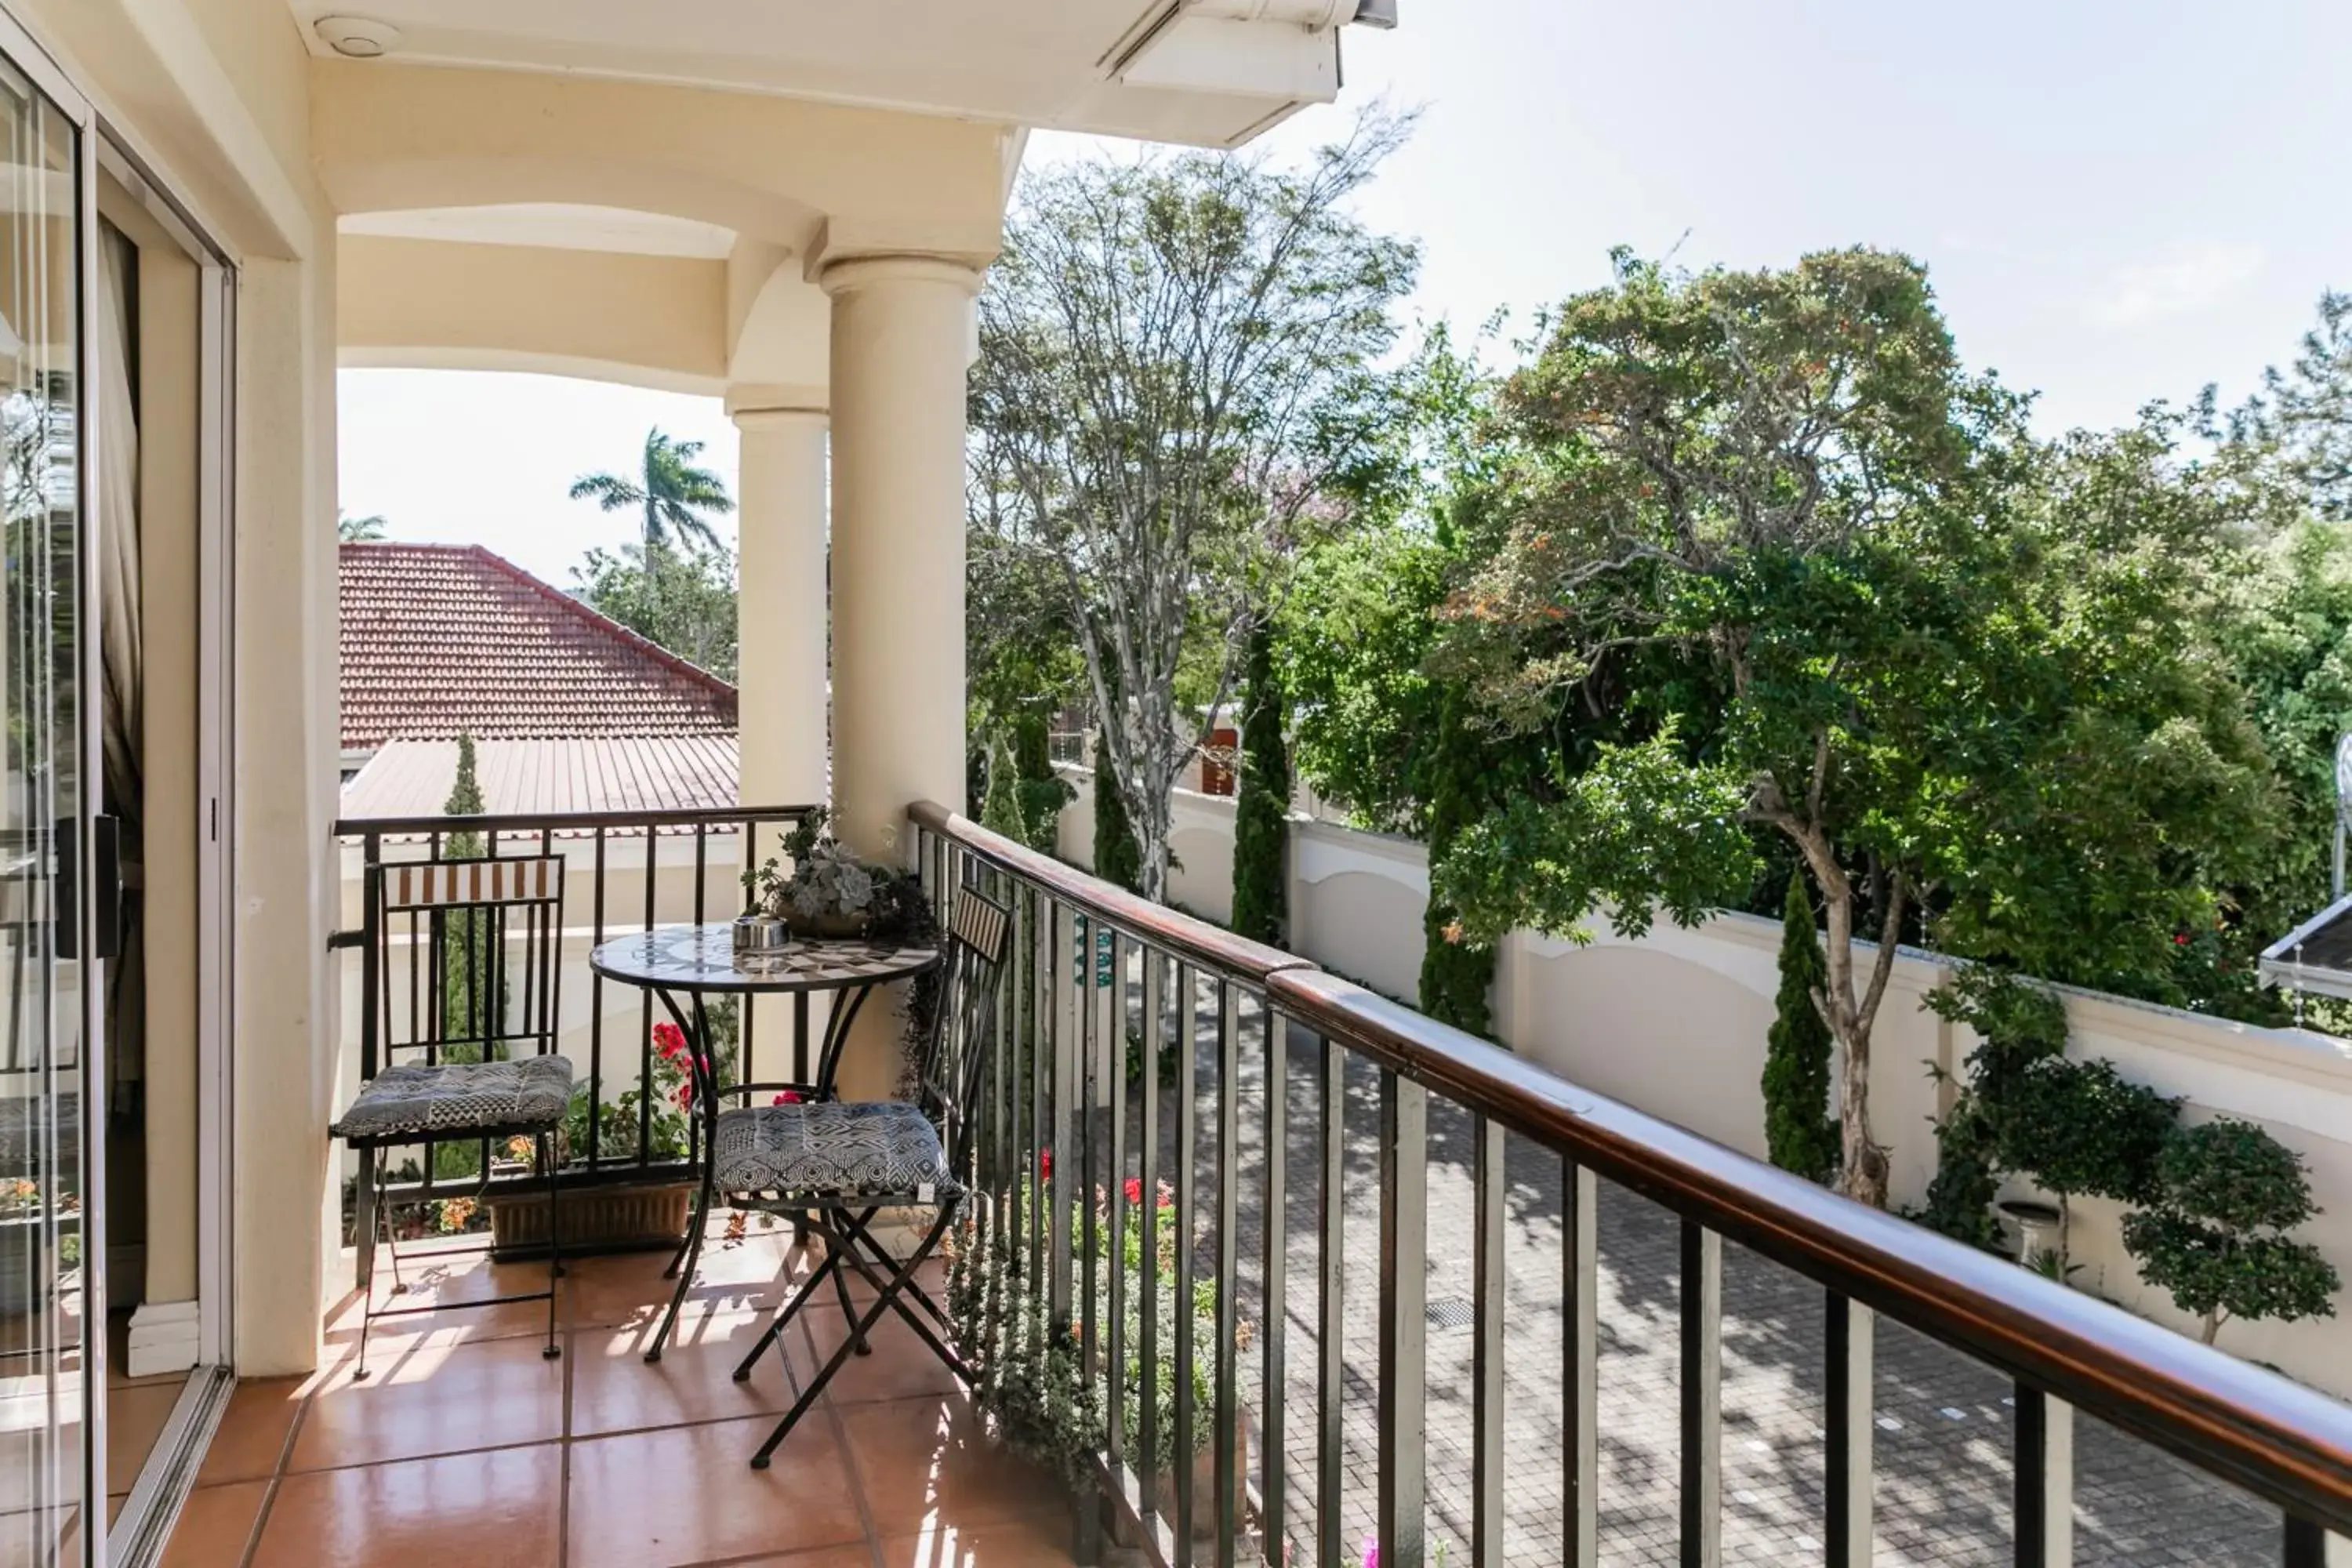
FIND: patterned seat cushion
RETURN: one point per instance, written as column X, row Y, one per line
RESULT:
column 460, row 1097
column 883, row 1148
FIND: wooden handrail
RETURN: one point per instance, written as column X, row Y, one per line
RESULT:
column 1194, row 940
column 2250, row 1427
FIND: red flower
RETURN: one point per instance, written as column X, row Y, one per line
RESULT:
column 686, row 1094
column 1135, row 1189
column 1045, row 1163
column 787, row 1098
column 2180, row 938
column 669, row 1040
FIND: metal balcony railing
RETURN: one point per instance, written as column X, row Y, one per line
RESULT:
column 1077, row 1110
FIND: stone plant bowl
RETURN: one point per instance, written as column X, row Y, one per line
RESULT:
column 827, row 927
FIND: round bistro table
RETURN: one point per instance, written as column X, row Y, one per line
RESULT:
column 685, row 965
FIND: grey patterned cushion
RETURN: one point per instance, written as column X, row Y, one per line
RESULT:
column 877, row 1147
column 460, row 1097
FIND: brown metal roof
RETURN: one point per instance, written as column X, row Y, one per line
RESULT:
column 598, row 772
column 442, row 639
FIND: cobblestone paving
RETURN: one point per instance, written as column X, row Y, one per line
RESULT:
column 1943, row 1438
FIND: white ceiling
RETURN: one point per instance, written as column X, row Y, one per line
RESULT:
column 1031, row 62
column 556, row 224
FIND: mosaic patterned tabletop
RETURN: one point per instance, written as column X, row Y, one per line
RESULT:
column 703, row 958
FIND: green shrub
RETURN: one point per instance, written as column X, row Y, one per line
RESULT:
column 1262, row 815
column 2227, row 1193
column 1799, row 1133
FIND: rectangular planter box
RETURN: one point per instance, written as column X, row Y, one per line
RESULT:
column 595, row 1219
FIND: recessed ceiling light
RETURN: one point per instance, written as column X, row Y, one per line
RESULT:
column 357, row 38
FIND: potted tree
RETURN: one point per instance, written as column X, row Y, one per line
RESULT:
column 2078, row 1127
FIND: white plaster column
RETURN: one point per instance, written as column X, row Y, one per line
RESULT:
column 901, row 337
column 781, row 621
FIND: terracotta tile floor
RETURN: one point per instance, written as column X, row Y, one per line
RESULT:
column 465, row 1444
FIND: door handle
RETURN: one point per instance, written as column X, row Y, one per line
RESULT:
column 106, row 888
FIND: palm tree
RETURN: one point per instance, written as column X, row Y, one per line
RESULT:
column 672, row 491
column 358, row 530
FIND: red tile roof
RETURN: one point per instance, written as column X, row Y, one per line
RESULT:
column 440, row 639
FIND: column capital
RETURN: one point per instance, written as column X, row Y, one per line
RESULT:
column 749, row 404
column 848, row 274
column 755, row 420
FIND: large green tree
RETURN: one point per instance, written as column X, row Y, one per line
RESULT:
column 1176, row 365
column 674, row 499
column 1896, row 627
column 2303, row 414
column 685, row 602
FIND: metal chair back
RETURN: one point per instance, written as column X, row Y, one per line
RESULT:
column 469, row 960
column 979, row 941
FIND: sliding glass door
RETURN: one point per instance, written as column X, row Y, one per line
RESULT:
column 52, row 1498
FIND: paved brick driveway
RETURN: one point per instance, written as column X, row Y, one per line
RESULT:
column 1943, row 1439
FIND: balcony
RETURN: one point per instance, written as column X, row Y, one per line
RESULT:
column 1451, row 1304
column 465, row 1445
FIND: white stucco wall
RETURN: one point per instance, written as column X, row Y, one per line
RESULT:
column 1675, row 1024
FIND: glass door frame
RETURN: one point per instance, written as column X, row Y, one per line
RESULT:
column 30, row 59
column 155, row 1498
column 154, row 1501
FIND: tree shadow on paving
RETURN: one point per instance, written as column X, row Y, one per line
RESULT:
column 1941, row 1431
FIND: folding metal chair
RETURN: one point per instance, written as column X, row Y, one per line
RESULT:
column 836, row 1164
column 461, row 926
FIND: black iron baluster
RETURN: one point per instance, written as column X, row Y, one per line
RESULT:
column 1702, row 1396
column 1847, row 1418
column 2304, row 1545
column 1041, row 923
column 1404, row 1328
column 597, row 1016
column 1148, row 1422
column 1228, row 1363
column 1276, row 1030
column 1116, row 1197
column 646, row 1027
column 1330, row 1384
column 1090, row 1066
column 1058, row 1179
column 1188, row 1110
column 1579, row 1268
column 1489, row 1289
column 2045, row 1462
column 2032, row 1504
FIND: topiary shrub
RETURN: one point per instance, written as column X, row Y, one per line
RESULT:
column 2226, row 1194
column 2017, row 1023
column 1262, row 815
column 1800, row 1134
column 2080, row 1127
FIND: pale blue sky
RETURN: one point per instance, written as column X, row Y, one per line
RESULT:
column 2117, row 201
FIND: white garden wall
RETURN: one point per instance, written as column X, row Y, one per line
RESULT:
column 1675, row 1024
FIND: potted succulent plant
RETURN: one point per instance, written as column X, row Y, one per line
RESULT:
column 829, row 892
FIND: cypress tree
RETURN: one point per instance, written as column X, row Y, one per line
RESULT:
column 1001, row 811
column 1455, row 976
column 1040, row 790
column 1261, row 816
column 1799, row 1133
column 464, row 934
column 1118, row 857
